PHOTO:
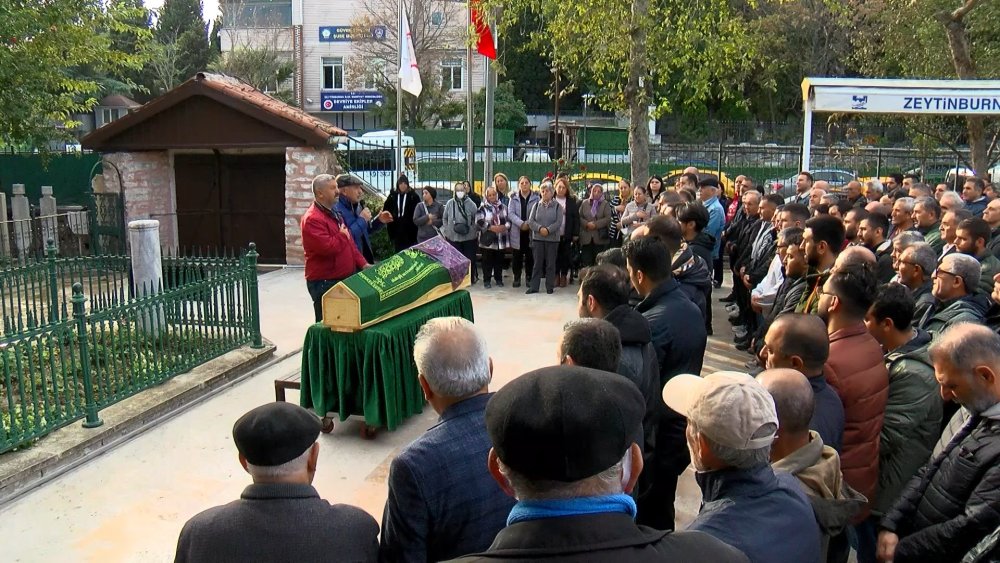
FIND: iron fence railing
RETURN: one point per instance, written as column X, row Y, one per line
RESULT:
column 441, row 166
column 68, row 368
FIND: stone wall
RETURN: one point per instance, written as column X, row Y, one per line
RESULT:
column 150, row 189
column 302, row 164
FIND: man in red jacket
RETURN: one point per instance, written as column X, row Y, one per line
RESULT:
column 330, row 253
column 856, row 369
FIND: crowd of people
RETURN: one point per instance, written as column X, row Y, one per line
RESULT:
column 867, row 421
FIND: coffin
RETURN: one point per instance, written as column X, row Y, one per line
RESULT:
column 404, row 281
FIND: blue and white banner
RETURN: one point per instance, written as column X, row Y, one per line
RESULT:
column 347, row 33
column 906, row 101
column 350, row 101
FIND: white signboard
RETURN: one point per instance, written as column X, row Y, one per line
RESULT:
column 905, row 101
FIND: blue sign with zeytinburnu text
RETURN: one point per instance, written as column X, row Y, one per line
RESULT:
column 350, row 101
column 347, row 33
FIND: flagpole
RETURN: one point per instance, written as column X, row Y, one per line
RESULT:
column 470, row 168
column 399, row 96
column 488, row 122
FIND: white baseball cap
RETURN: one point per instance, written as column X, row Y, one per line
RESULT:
column 730, row 408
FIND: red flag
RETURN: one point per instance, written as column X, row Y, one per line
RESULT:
column 484, row 41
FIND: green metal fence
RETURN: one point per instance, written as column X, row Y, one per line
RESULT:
column 68, row 368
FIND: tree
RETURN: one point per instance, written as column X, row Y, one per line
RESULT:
column 669, row 54
column 183, row 35
column 508, row 110
column 437, row 28
column 937, row 38
column 43, row 47
column 261, row 58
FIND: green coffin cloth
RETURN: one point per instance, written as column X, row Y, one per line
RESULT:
column 371, row 372
column 393, row 282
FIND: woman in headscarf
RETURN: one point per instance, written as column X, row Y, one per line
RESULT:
column 595, row 217
column 459, row 226
column 494, row 239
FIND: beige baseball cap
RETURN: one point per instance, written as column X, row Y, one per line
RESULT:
column 730, row 408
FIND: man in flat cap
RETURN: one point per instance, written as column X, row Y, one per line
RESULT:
column 564, row 446
column 358, row 218
column 731, row 425
column 280, row 517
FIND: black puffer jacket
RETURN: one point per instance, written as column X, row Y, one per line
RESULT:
column 638, row 364
column 695, row 277
column 954, row 502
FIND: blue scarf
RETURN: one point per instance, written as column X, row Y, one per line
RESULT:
column 553, row 508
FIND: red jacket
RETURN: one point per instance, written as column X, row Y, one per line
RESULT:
column 856, row 369
column 330, row 254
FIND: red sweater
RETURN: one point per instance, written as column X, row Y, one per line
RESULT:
column 330, row 254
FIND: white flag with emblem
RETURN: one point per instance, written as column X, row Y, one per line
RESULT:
column 409, row 73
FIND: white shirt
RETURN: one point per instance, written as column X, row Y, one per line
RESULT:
column 768, row 287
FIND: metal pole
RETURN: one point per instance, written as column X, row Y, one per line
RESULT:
column 807, row 128
column 555, row 138
column 255, row 337
column 488, row 123
column 470, row 168
column 80, row 316
column 399, row 96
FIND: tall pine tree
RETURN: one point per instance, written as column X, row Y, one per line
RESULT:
column 180, row 24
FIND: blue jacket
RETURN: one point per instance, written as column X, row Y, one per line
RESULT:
column 977, row 207
column 738, row 504
column 716, row 222
column 828, row 416
column 360, row 229
column 443, row 502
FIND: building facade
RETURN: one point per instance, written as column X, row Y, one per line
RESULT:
column 345, row 51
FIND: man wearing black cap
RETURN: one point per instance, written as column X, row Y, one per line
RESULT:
column 442, row 501
column 358, row 218
column 280, row 517
column 563, row 445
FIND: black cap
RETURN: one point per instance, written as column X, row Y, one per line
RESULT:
column 344, row 180
column 275, row 433
column 564, row 423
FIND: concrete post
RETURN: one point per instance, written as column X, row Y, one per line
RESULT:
column 50, row 222
column 4, row 228
column 22, row 220
column 147, row 270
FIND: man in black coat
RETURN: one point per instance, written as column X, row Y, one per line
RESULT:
column 401, row 203
column 280, row 517
column 563, row 444
column 604, row 295
column 679, row 341
column 954, row 501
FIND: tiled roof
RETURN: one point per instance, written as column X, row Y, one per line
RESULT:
column 233, row 87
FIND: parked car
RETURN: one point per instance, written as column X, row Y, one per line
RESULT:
column 785, row 187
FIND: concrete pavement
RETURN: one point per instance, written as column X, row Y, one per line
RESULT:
column 129, row 504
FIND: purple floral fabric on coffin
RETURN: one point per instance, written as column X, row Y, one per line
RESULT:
column 445, row 254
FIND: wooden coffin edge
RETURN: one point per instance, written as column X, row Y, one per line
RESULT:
column 345, row 325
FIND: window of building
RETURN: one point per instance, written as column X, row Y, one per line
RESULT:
column 437, row 19
column 451, row 74
column 333, row 73
column 257, row 13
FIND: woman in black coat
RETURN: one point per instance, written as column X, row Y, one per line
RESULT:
column 570, row 232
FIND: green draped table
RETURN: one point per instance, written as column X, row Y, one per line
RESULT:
column 371, row 372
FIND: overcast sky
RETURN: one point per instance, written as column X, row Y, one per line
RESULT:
column 210, row 8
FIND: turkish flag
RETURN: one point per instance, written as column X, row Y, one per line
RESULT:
column 484, row 41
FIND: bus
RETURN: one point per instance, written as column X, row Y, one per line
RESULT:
column 372, row 157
